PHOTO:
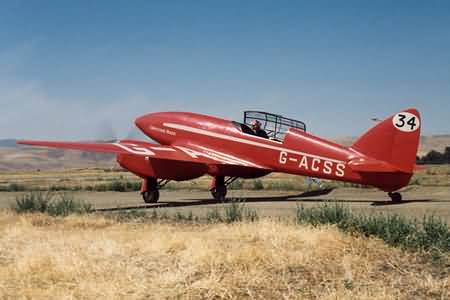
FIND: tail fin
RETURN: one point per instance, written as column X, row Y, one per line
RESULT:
column 395, row 140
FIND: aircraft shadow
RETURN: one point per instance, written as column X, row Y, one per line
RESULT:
column 389, row 202
column 302, row 197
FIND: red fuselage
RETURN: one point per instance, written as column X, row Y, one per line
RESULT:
column 299, row 153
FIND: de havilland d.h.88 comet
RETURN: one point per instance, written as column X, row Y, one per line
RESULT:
column 192, row 145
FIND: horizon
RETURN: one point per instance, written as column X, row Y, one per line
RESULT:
column 81, row 71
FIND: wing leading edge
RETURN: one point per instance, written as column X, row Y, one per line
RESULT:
column 188, row 153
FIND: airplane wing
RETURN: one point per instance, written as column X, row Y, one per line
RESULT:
column 189, row 153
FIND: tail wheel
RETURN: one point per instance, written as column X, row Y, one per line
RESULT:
column 219, row 192
column 395, row 197
column 150, row 196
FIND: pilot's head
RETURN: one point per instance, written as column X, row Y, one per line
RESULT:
column 256, row 125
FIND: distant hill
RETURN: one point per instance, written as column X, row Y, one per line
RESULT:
column 18, row 157
column 8, row 143
column 434, row 142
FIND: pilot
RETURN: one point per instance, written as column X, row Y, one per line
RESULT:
column 256, row 126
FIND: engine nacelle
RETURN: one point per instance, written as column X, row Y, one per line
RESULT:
column 164, row 169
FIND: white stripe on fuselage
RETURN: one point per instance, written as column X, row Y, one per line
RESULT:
column 228, row 156
column 163, row 149
column 245, row 141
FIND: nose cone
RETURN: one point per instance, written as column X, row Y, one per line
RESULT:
column 149, row 122
column 152, row 126
column 141, row 122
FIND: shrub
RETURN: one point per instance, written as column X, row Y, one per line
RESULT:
column 14, row 187
column 50, row 203
column 32, row 202
column 55, row 188
column 233, row 212
column 258, row 185
column 118, row 186
column 214, row 216
column 432, row 234
column 326, row 214
column 101, row 187
column 251, row 215
column 180, row 217
column 236, row 185
column 435, row 234
column 66, row 204
column 282, row 185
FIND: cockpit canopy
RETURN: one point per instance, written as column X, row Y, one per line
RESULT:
column 274, row 125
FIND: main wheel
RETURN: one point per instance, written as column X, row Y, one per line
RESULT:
column 150, row 196
column 395, row 197
column 219, row 192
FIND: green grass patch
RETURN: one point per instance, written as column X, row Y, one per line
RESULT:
column 235, row 211
column 13, row 187
column 429, row 234
column 61, row 204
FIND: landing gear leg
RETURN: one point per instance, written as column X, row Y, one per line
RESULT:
column 218, row 188
column 149, row 190
column 395, row 197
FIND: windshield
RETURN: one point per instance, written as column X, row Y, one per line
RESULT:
column 275, row 126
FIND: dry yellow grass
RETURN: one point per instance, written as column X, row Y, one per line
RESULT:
column 92, row 257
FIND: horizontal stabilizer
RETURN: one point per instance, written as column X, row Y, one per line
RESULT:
column 372, row 165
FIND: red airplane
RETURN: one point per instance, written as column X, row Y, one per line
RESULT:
column 192, row 145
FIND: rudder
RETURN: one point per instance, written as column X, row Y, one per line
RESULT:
column 394, row 140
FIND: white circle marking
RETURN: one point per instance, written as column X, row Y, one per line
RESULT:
column 406, row 122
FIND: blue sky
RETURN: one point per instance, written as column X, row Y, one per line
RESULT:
column 86, row 69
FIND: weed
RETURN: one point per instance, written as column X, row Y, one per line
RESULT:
column 32, row 202
column 233, row 211
column 414, row 181
column 283, row 185
column 251, row 215
column 214, row 216
column 129, row 215
column 16, row 187
column 65, row 204
column 55, row 188
column 50, row 203
column 257, row 184
column 236, row 185
column 432, row 234
column 180, row 217
column 348, row 284
column 326, row 214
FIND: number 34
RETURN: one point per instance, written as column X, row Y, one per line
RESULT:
column 405, row 121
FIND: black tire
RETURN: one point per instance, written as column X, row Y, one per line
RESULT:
column 219, row 193
column 150, row 196
column 396, row 197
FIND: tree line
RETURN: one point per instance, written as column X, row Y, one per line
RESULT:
column 435, row 157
